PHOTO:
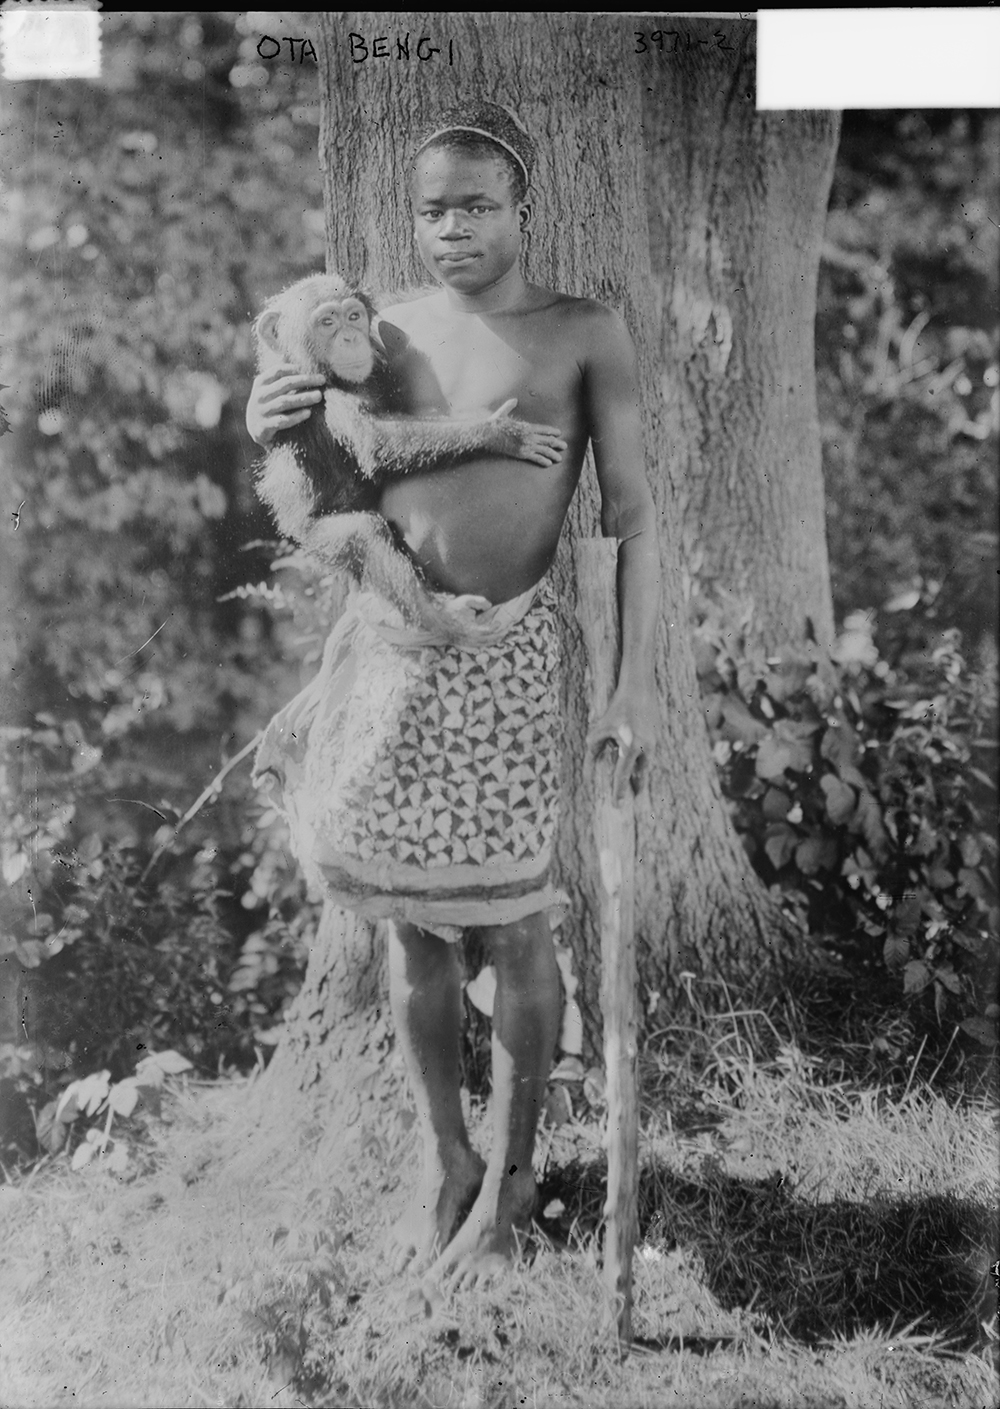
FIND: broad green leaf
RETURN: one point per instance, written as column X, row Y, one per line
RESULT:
column 853, row 776
column 867, row 820
column 816, row 853
column 52, row 1132
column 781, row 841
column 982, row 1029
column 172, row 1063
column 123, row 1096
column 772, row 759
column 776, row 805
column 82, row 1155
column 916, row 976
column 895, row 951
column 971, row 882
column 149, row 1074
column 31, row 952
column 68, row 1105
column 94, row 1091
column 972, row 851
column 87, row 1095
column 948, row 978
column 840, row 799
column 842, row 747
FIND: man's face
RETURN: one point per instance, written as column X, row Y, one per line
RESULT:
column 467, row 224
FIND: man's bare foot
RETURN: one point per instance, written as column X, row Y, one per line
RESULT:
column 434, row 1211
column 485, row 1244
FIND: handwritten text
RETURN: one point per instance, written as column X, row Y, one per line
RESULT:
column 671, row 41
column 381, row 48
column 273, row 48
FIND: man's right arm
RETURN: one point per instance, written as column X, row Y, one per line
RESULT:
column 279, row 399
column 628, row 513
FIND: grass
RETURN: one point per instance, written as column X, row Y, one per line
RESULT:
column 805, row 1240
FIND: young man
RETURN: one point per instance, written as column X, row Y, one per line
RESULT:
column 485, row 535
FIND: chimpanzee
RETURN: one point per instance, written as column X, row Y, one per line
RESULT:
column 323, row 478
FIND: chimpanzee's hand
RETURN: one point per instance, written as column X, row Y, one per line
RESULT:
column 539, row 445
column 279, row 399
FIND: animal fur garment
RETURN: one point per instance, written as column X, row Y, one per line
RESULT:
column 420, row 780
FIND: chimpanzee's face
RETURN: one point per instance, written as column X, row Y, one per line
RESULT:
column 339, row 339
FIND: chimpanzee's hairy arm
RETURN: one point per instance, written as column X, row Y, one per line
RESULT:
column 385, row 449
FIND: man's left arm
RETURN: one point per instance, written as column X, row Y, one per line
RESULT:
column 629, row 514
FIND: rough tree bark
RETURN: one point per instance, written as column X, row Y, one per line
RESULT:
column 578, row 87
column 737, row 204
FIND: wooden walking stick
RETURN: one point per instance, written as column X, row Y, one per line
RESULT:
column 614, row 827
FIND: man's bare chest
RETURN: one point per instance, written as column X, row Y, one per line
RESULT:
column 475, row 368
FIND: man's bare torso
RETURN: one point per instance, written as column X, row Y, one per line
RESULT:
column 491, row 525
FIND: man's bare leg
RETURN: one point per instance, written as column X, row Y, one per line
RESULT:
column 425, row 991
column 526, row 1015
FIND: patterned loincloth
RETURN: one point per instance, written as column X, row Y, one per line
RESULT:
column 420, row 781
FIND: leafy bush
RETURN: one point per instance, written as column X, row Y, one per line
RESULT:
column 853, row 788
column 97, row 1095
column 193, row 936
column 132, row 963
column 907, row 376
column 128, row 352
column 201, row 953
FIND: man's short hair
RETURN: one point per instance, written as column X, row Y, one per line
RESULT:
column 482, row 128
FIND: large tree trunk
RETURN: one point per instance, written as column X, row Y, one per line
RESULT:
column 571, row 80
column 737, row 205
column 338, row 1045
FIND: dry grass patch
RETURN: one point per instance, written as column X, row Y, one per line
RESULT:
column 803, row 1244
